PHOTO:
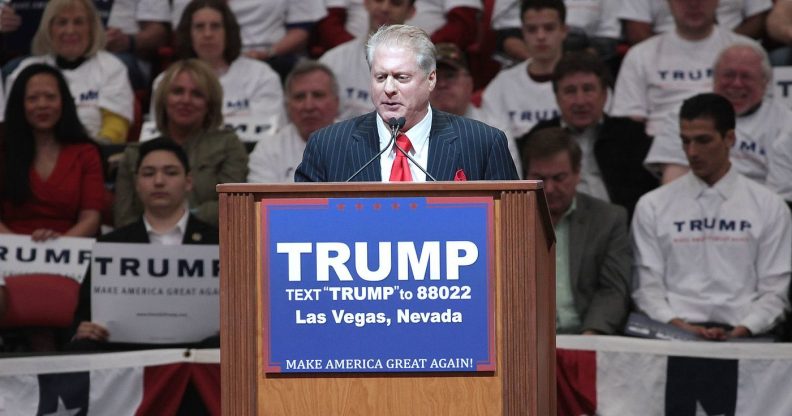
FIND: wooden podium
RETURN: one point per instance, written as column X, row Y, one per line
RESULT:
column 524, row 381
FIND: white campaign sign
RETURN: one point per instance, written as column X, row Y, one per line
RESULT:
column 252, row 128
column 156, row 294
column 65, row 256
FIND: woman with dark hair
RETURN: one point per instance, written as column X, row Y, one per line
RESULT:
column 209, row 31
column 51, row 181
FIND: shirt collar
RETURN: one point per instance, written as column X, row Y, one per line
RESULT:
column 724, row 187
column 569, row 210
column 418, row 134
column 180, row 227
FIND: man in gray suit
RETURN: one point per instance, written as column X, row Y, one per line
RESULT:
column 448, row 147
column 593, row 254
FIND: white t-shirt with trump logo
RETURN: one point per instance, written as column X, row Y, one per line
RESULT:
column 713, row 254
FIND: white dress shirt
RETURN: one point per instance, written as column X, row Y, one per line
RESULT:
column 419, row 137
column 173, row 237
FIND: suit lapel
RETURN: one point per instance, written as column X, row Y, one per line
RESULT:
column 365, row 144
column 443, row 148
column 578, row 228
column 138, row 233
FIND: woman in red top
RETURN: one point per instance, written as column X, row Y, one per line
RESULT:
column 51, row 181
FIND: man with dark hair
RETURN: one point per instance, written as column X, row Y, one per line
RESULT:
column 613, row 147
column 522, row 95
column 712, row 248
column 162, row 181
column 592, row 245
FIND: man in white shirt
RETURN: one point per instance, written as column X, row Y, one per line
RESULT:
column 644, row 18
column 660, row 72
column 742, row 74
column 454, row 90
column 348, row 60
column 713, row 250
column 523, row 94
column 311, row 103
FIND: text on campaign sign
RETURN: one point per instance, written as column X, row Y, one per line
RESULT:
column 378, row 284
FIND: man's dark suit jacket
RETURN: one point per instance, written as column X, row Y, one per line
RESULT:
column 334, row 153
column 620, row 149
column 197, row 232
column 600, row 258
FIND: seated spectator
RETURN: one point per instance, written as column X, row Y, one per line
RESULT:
column 275, row 31
column 592, row 23
column 779, row 29
column 454, row 21
column 742, row 75
column 135, row 31
column 188, row 102
column 659, row 73
column 712, row 248
column 645, row 18
column 613, row 147
column 311, row 103
column 52, row 175
column 454, row 88
column 162, row 183
column 345, row 20
column 51, row 178
column 209, row 31
column 348, row 61
column 70, row 37
column 523, row 94
column 592, row 245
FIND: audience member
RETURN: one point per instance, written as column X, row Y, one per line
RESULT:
column 592, row 245
column 311, row 103
column 345, row 20
column 659, row 73
column 454, row 90
column 403, row 74
column 188, row 102
column 779, row 29
column 51, row 173
column 591, row 23
column 275, row 31
column 645, row 18
column 70, row 37
column 712, row 249
column 348, row 61
column 162, row 183
column 454, row 21
column 136, row 29
column 613, row 147
column 523, row 94
column 209, row 31
column 742, row 75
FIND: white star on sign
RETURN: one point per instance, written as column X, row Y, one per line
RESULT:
column 63, row 411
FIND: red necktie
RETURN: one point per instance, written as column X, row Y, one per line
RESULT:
column 400, row 172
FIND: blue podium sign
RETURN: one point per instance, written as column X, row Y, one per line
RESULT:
column 378, row 285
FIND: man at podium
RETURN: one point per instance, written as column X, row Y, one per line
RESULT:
column 405, row 139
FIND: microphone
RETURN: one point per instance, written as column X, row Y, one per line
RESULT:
column 414, row 162
column 395, row 125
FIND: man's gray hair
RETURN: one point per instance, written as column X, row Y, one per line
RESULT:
column 307, row 66
column 404, row 36
column 767, row 69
